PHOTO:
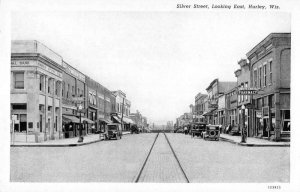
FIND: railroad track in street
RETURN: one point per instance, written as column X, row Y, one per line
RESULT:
column 180, row 174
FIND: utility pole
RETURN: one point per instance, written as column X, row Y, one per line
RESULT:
column 122, row 114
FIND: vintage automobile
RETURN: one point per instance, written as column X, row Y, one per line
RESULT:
column 134, row 129
column 114, row 130
column 212, row 132
column 197, row 129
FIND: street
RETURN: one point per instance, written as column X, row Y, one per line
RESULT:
column 122, row 160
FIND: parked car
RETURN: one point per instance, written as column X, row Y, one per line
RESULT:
column 180, row 130
column 114, row 130
column 212, row 132
column 134, row 129
column 197, row 129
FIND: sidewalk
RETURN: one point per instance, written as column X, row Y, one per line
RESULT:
column 253, row 142
column 69, row 142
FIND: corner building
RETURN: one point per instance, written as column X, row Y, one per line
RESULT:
column 270, row 64
column 36, row 78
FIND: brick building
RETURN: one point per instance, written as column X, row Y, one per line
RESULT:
column 270, row 73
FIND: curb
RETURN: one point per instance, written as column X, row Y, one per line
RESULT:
column 61, row 145
column 254, row 145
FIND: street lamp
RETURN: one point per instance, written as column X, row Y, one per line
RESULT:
column 79, row 100
column 244, row 131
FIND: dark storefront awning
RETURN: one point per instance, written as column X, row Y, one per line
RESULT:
column 209, row 112
column 83, row 119
column 127, row 120
column 69, row 119
column 105, row 120
column 117, row 119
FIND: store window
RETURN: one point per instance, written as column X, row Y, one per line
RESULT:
column 285, row 120
column 19, row 80
column 22, row 125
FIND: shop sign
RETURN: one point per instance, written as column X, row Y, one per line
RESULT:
column 23, row 62
column 249, row 91
column 258, row 114
column 213, row 106
column 49, row 69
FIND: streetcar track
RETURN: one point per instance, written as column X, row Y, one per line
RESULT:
column 141, row 170
column 174, row 154
column 185, row 176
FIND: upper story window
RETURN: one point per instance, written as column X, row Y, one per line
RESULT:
column 42, row 83
column 246, row 86
column 68, row 90
column 271, row 73
column 265, row 75
column 63, row 89
column 259, row 77
column 19, row 80
column 255, row 78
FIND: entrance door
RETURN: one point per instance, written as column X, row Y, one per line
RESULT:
column 265, row 127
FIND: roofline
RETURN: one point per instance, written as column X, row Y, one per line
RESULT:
column 270, row 36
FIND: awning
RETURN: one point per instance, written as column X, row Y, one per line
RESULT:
column 116, row 118
column 209, row 112
column 69, row 119
column 127, row 120
column 83, row 119
column 105, row 120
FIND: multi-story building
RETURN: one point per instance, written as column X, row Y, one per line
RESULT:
column 231, row 109
column 270, row 67
column 122, row 110
column 36, row 81
column 73, row 86
column 243, row 82
column 215, row 90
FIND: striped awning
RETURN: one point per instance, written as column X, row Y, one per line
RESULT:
column 84, row 119
column 69, row 119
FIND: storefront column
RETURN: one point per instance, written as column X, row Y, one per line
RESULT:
column 277, row 129
column 53, row 110
column 59, row 123
column 46, row 109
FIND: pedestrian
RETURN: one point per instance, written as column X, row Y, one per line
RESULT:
column 185, row 130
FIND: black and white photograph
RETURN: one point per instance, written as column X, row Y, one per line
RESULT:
column 149, row 95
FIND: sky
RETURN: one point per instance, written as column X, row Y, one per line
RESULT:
column 160, row 59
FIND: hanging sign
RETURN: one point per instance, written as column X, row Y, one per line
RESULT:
column 250, row 91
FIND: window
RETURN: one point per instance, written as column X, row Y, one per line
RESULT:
column 243, row 96
column 259, row 77
column 246, row 86
column 42, row 83
column 285, row 120
column 19, row 106
column 63, row 89
column 271, row 75
column 255, row 78
column 22, row 125
column 265, row 75
column 68, row 90
column 49, row 86
column 73, row 90
column 19, row 80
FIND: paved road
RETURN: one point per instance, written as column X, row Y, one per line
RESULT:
column 213, row 161
column 121, row 160
column 106, row 161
